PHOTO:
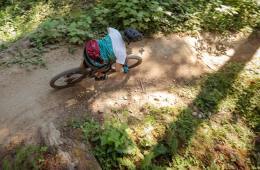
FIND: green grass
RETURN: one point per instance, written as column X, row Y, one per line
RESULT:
column 153, row 145
column 24, row 157
column 172, row 137
column 25, row 58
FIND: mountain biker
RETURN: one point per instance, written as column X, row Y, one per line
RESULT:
column 108, row 50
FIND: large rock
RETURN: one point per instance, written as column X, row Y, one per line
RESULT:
column 50, row 135
column 70, row 154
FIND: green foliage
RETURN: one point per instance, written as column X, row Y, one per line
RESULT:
column 216, row 87
column 168, row 16
column 232, row 88
column 74, row 31
column 17, row 18
column 158, row 150
column 25, row 58
column 181, row 130
column 79, row 30
column 144, row 15
column 112, row 144
column 90, row 129
column 248, row 104
column 151, row 16
column 215, row 15
column 50, row 32
column 26, row 157
column 3, row 47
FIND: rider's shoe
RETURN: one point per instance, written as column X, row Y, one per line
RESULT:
column 104, row 77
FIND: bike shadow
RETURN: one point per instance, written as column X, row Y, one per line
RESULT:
column 90, row 85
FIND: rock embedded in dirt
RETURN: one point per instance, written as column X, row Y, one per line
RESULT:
column 71, row 102
column 66, row 160
column 71, row 154
column 156, row 99
column 50, row 136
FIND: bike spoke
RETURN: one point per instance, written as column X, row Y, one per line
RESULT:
column 68, row 79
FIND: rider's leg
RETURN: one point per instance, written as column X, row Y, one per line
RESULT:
column 83, row 64
column 100, row 76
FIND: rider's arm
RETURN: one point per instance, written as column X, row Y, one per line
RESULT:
column 119, row 70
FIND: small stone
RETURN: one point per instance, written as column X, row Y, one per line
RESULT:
column 194, row 113
column 64, row 157
column 50, row 135
column 230, row 52
column 156, row 99
column 71, row 102
column 125, row 97
column 200, row 116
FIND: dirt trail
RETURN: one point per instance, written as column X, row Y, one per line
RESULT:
column 27, row 101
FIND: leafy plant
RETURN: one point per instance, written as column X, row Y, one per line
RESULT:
column 25, row 58
column 51, row 31
column 3, row 47
column 79, row 30
column 144, row 15
column 248, row 104
column 220, row 16
column 90, row 129
column 112, row 144
column 148, row 16
column 25, row 157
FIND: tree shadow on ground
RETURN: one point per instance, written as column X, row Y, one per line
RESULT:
column 248, row 105
column 214, row 90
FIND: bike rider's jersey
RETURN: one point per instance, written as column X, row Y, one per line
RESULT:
column 106, row 50
column 118, row 45
column 111, row 48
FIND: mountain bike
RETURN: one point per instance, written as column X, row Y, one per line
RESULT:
column 75, row 75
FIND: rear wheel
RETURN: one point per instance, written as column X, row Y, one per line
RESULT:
column 133, row 61
column 67, row 78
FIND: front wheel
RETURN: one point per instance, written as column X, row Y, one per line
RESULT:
column 67, row 78
column 133, row 61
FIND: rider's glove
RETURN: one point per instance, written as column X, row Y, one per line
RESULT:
column 125, row 68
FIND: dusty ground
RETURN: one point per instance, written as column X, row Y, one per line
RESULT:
column 27, row 101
